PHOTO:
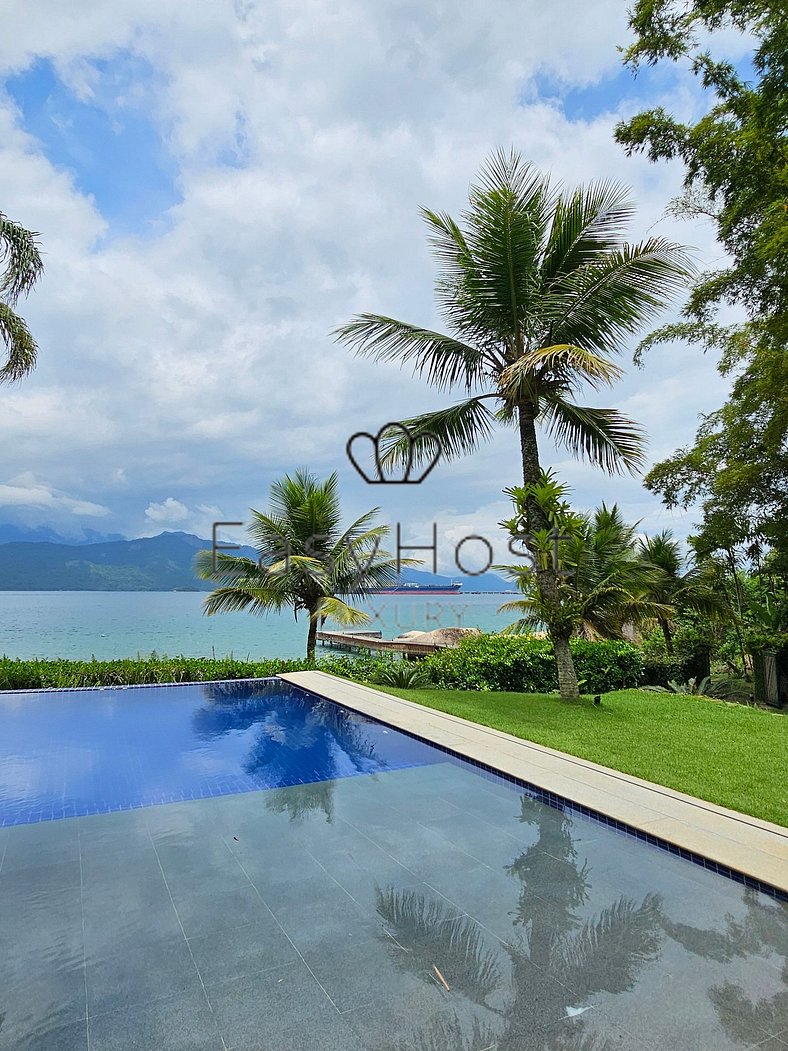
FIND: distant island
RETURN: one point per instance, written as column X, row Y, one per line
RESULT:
column 156, row 563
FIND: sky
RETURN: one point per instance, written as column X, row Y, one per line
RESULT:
column 217, row 186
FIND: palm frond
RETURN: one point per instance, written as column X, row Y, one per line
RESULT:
column 21, row 348
column 20, row 260
column 441, row 360
column 586, row 224
column 256, row 600
column 459, row 429
column 341, row 612
column 599, row 306
column 224, row 568
column 432, row 936
column 506, row 227
column 561, row 365
column 604, row 437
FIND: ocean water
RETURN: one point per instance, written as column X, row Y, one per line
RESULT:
column 108, row 624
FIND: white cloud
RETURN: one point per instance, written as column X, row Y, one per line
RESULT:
column 25, row 491
column 199, row 355
column 170, row 510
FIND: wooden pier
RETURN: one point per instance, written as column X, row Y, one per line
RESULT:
column 373, row 640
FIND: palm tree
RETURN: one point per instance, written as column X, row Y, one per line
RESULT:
column 680, row 590
column 22, row 266
column 538, row 290
column 306, row 559
column 607, row 585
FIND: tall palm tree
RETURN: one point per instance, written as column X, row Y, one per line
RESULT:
column 680, row 589
column 20, row 267
column 306, row 559
column 538, row 290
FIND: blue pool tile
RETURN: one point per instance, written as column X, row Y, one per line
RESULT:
column 325, row 909
column 212, row 739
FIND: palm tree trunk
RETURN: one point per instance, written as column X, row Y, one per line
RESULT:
column 311, row 639
column 546, row 578
column 529, row 452
column 668, row 634
column 565, row 665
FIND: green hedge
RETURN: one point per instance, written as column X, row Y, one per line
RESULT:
column 661, row 672
column 64, row 674
column 520, row 663
column 484, row 662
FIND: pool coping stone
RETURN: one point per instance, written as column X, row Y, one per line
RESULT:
column 743, row 845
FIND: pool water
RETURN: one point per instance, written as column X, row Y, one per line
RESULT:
column 285, row 874
column 76, row 752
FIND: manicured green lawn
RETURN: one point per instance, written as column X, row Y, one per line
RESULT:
column 726, row 753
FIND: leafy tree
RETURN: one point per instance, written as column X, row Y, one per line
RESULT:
column 306, row 559
column 20, row 267
column 538, row 290
column 736, row 159
column 736, row 155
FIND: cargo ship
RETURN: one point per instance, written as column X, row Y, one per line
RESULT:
column 420, row 589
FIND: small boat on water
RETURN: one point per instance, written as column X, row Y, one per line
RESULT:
column 421, row 589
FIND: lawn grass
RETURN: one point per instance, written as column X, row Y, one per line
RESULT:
column 726, row 753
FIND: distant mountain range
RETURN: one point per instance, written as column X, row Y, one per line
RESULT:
column 45, row 561
column 10, row 534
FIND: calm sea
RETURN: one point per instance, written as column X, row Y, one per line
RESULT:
column 103, row 624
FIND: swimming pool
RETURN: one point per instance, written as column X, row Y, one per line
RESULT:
column 245, row 866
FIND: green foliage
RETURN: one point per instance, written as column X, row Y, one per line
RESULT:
column 767, row 640
column 724, row 689
column 506, row 662
column 538, row 290
column 306, row 559
column 68, row 674
column 690, row 652
column 20, row 267
column 406, row 674
column 606, row 583
column 658, row 672
column 736, row 163
column 736, row 154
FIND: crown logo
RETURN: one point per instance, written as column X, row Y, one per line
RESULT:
column 419, row 446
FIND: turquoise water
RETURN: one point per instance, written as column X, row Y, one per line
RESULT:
column 81, row 624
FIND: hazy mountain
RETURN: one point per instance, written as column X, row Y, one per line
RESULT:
column 10, row 534
column 156, row 563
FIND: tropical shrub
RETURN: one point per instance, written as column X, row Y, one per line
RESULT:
column 66, row 674
column 527, row 664
column 404, row 674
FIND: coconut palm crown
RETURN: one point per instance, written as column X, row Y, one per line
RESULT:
column 539, row 291
column 20, row 267
column 307, row 560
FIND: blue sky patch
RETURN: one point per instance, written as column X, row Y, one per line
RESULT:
column 111, row 141
column 605, row 95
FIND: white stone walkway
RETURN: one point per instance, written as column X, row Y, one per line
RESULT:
column 745, row 844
